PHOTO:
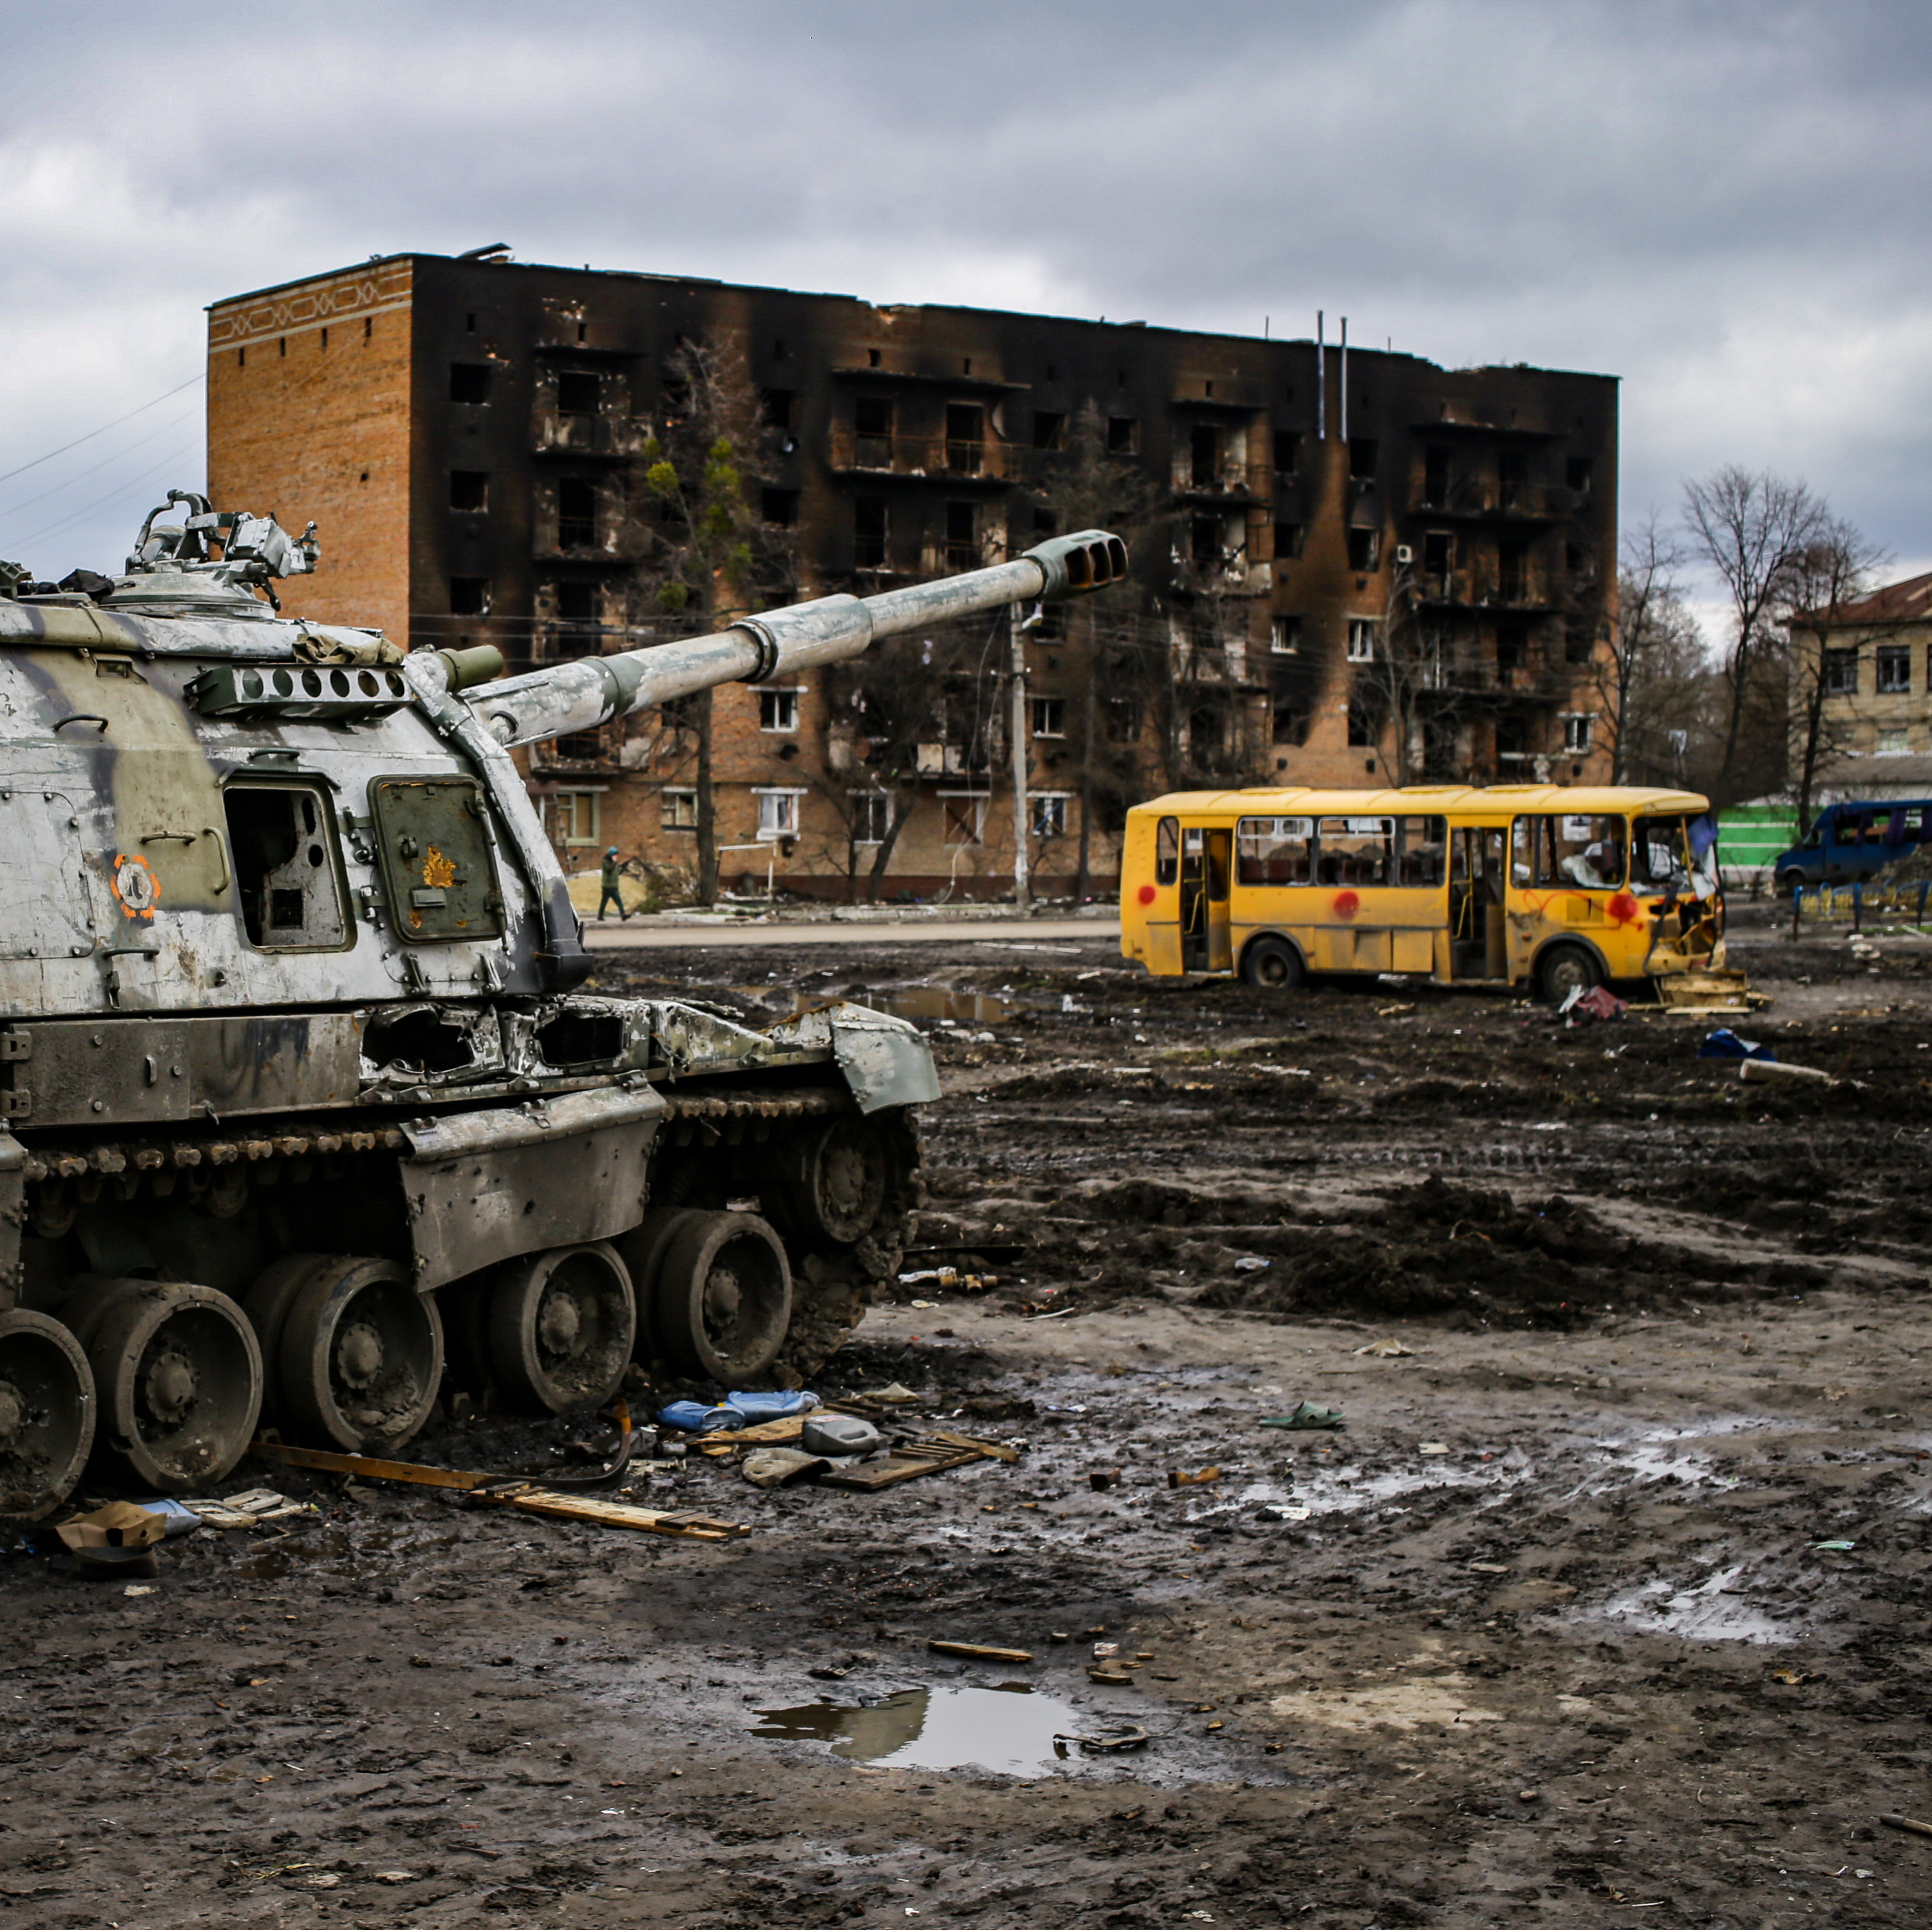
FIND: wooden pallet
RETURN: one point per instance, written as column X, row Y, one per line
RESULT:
column 931, row 1453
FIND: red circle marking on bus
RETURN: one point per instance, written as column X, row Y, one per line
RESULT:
column 1147, row 894
column 1345, row 904
column 1623, row 908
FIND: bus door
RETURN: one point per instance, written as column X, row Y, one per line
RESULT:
column 1476, row 942
column 1206, row 940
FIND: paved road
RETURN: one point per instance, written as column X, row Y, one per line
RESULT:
column 1005, row 934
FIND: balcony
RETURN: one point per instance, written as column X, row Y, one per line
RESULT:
column 950, row 760
column 1466, row 499
column 614, row 436
column 941, row 458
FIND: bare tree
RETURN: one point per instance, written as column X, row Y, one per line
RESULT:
column 1752, row 529
column 706, row 555
column 1837, row 567
column 1655, row 645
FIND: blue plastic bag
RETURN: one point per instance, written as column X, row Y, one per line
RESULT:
column 1724, row 1043
column 771, row 1406
column 693, row 1417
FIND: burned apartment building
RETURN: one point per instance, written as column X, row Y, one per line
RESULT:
column 1352, row 566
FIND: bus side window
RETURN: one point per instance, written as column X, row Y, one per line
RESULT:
column 1420, row 845
column 1167, row 852
column 1357, row 850
column 1274, row 851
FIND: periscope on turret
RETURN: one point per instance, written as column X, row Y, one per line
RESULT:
column 302, row 1111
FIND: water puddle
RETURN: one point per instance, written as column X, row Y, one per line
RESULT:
column 1011, row 1729
column 933, row 1002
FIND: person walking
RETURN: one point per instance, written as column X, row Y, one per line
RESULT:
column 612, row 892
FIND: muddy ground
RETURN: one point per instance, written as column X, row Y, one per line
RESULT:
column 1546, row 1634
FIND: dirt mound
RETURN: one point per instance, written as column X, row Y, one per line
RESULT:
column 1445, row 1250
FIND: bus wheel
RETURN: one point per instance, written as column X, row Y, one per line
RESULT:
column 1274, row 963
column 1564, row 969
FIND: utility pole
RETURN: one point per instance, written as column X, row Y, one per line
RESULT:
column 1021, row 623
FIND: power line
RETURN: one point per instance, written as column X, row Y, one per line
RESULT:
column 101, row 502
column 81, row 476
column 9, row 475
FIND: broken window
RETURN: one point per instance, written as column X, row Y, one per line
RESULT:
column 1123, row 436
column 1167, row 852
column 677, row 810
column 1512, row 647
column 1841, row 672
column 1356, row 850
column 1512, row 475
column 469, row 382
column 469, row 596
column 1513, row 572
column 1362, row 632
column 868, row 532
column 1274, row 851
column 1435, row 478
column 775, row 405
column 1576, row 474
column 871, row 817
column 1288, row 538
column 281, row 839
column 1204, row 455
column 580, row 747
column 469, row 489
column 1287, row 452
column 1049, row 716
column 778, row 710
column 965, row 437
column 1577, row 734
column 1207, row 732
column 1364, row 451
column 965, row 820
column 777, row 814
column 1204, row 539
column 1122, row 715
column 1894, row 670
column 576, row 513
column 1046, row 522
column 1365, row 548
column 577, row 605
column 1284, row 636
column 1049, row 429
column 872, row 431
column 1576, row 849
column 1361, row 724
column 1578, row 643
column 962, row 535
column 779, row 507
column 1421, row 850
column 1438, row 552
column 1048, row 814
column 576, row 391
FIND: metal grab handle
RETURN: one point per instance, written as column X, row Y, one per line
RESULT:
column 170, row 837
column 84, row 717
column 221, row 852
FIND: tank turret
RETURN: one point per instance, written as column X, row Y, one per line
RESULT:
column 301, row 1108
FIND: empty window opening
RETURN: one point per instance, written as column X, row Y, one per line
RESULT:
column 1124, row 434
column 1363, row 453
column 778, row 350
column 1208, row 733
column 1122, row 716
column 962, row 535
column 1291, row 722
column 1204, row 445
column 1046, row 522
column 966, row 366
column 281, row 841
column 1288, row 538
column 965, row 436
column 1284, row 636
column 1513, row 477
column 1049, row 716
column 778, row 710
column 368, row 327
column 872, row 358
column 1578, row 643
column 776, row 406
column 1204, row 539
column 469, row 596
column 1287, row 452
column 1362, row 633
column 678, row 811
column 281, row 345
column 241, row 358
column 580, row 747
column 1049, row 429
column 576, row 512
column 872, row 431
column 1513, row 572
column 470, row 325
column 1438, row 554
column 777, row 814
column 576, row 391
column 1361, row 725
column 869, row 532
column 469, row 382
column 583, row 331
column 779, row 507
column 1576, row 473
column 1365, row 548
column 324, row 338
column 1435, row 478
column 1512, row 647
column 469, row 489
column 1577, row 735
column 1894, row 670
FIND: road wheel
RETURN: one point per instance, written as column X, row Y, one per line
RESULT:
column 1274, row 963
column 360, row 1356
column 642, row 1250
column 1564, row 969
column 47, row 1413
column 832, row 1181
column 723, row 1300
column 179, row 1374
column 267, row 1304
column 560, row 1328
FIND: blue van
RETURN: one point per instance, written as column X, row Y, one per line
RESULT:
column 1854, row 840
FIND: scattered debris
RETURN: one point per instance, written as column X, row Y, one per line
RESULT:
column 1109, row 1742
column 894, row 1396
column 1794, row 1678
column 1910, row 1824
column 1181, row 1478
column 246, row 1511
column 1433, row 1447
column 119, row 1525
column 737, row 1411
column 1387, row 1350
column 931, row 1454
column 1724, row 1043
column 1597, row 1002
column 1114, row 1676
column 948, row 1280
column 1305, row 1415
column 1253, row 1263
column 978, row 1652
column 1758, row 1070
column 839, row 1434
column 1284, row 1511
column 783, row 1467
column 1835, row 1547
column 1100, row 1479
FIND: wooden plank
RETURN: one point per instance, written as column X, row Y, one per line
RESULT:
column 681, row 1523
column 977, row 1652
column 994, row 1451
column 327, row 1462
column 903, row 1464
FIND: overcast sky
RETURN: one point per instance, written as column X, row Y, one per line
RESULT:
column 1723, row 204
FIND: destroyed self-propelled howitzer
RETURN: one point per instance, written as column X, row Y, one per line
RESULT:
column 294, row 1080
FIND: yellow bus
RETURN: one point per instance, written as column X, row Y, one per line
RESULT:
column 1553, row 887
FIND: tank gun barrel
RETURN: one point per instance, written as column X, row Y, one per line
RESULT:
column 586, row 691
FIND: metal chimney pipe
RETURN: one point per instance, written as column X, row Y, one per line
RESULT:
column 1321, row 377
column 1344, row 378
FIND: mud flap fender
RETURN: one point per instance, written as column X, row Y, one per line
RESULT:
column 885, row 1061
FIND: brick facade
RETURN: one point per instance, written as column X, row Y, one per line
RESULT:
column 1359, row 570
